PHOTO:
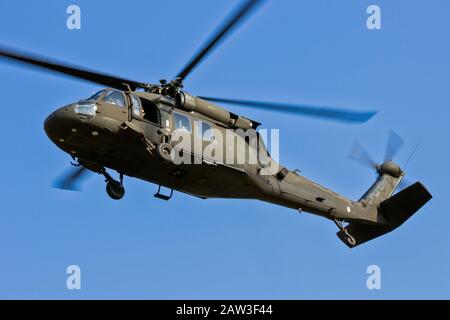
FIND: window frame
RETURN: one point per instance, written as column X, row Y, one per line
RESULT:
column 100, row 97
column 132, row 98
column 113, row 91
column 202, row 132
column 176, row 113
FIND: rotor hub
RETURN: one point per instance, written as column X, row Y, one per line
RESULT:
column 390, row 168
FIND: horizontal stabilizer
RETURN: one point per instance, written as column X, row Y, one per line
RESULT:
column 395, row 210
column 400, row 207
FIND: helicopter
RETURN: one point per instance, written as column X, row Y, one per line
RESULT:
column 146, row 131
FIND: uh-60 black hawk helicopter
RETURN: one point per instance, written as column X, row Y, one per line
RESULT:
column 130, row 126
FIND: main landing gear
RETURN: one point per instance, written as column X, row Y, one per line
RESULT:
column 114, row 188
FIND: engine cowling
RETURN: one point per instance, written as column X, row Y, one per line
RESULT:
column 188, row 102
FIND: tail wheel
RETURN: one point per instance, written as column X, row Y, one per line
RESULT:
column 165, row 151
column 350, row 240
column 115, row 190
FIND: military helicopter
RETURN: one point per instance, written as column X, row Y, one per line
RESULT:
column 130, row 127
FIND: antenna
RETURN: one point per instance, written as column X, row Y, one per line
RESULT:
column 412, row 154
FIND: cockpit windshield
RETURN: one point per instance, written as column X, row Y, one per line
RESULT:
column 96, row 96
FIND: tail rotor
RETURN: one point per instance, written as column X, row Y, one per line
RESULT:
column 393, row 146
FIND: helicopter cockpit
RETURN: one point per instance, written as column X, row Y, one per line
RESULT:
column 111, row 96
column 140, row 108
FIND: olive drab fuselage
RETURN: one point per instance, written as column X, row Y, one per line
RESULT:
column 121, row 138
column 125, row 141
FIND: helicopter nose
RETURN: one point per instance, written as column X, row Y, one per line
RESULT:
column 50, row 125
column 77, row 128
column 55, row 124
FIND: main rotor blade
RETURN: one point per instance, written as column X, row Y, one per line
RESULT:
column 359, row 154
column 238, row 16
column 302, row 110
column 64, row 68
column 395, row 142
column 71, row 179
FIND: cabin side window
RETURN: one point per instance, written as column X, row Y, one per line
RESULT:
column 115, row 97
column 182, row 122
column 203, row 130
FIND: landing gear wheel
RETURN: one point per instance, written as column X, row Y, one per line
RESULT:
column 350, row 240
column 165, row 151
column 115, row 190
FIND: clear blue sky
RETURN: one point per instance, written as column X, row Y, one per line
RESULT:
column 307, row 51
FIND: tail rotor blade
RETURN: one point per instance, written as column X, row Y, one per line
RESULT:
column 71, row 180
column 395, row 142
column 360, row 155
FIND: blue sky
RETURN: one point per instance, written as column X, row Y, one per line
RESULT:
column 317, row 52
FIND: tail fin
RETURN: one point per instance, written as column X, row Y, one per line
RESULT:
column 395, row 211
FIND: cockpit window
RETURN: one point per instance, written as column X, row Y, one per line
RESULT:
column 136, row 106
column 116, row 98
column 96, row 96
